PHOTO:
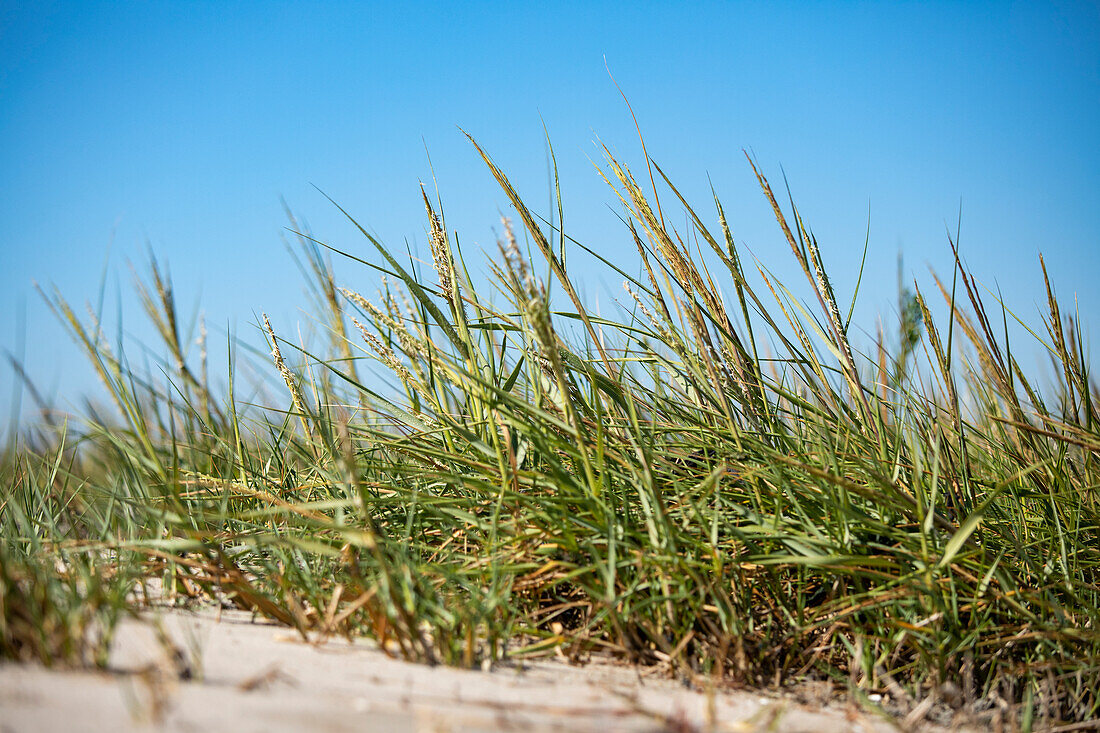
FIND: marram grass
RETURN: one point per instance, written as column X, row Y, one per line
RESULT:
column 715, row 480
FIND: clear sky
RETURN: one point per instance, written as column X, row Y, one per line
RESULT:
column 181, row 126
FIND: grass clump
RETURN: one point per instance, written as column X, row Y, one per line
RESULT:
column 715, row 479
column 58, row 603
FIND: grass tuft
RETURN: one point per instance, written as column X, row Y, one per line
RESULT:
column 919, row 521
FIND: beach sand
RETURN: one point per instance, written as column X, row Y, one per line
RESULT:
column 233, row 673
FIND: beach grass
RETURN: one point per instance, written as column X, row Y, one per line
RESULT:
column 713, row 478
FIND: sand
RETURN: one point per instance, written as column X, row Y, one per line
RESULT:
column 237, row 674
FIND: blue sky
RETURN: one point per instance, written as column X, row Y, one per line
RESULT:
column 181, row 127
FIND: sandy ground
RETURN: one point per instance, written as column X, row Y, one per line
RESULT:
column 251, row 676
